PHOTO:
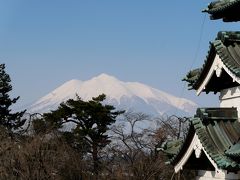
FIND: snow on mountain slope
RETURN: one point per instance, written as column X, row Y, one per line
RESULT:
column 123, row 95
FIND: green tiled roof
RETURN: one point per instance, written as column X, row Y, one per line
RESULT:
column 234, row 151
column 228, row 10
column 227, row 46
column 219, row 132
column 178, row 153
column 172, row 147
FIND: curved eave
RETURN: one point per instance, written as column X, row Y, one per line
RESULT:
column 209, row 74
column 194, row 146
column 184, row 146
column 216, row 68
column 227, row 47
column 203, row 71
column 216, row 138
column 219, row 58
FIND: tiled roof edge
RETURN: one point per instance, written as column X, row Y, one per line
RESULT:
column 225, row 37
column 220, row 8
column 222, row 161
column 182, row 145
column 216, row 46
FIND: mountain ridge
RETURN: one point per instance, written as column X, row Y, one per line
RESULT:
column 125, row 95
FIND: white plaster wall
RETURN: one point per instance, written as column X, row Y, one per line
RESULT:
column 208, row 175
column 230, row 98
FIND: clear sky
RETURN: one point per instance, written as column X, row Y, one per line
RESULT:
column 48, row 42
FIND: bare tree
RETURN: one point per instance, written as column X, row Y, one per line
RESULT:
column 132, row 153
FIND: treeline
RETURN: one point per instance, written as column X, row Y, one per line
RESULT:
column 82, row 140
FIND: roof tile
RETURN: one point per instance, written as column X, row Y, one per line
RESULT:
column 227, row 46
column 216, row 136
column 224, row 9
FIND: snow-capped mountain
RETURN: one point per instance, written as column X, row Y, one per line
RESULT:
column 123, row 95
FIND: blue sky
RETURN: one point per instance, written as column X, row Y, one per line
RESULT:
column 45, row 43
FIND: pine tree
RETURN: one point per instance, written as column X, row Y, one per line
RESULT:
column 91, row 119
column 10, row 121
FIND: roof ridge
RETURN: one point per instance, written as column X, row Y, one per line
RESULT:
column 227, row 36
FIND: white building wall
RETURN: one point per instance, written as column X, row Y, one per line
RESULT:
column 230, row 98
column 221, row 175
